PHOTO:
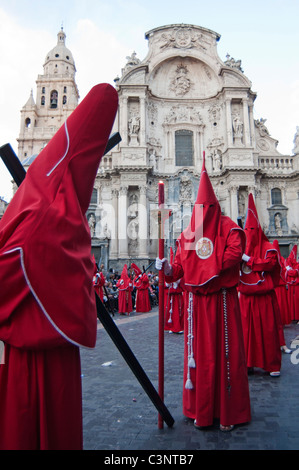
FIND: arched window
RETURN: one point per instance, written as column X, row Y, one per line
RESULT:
column 184, row 148
column 276, row 196
column 53, row 99
column 94, row 196
column 42, row 101
column 64, row 99
column 28, row 122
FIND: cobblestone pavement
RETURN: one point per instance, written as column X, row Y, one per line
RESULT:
column 118, row 414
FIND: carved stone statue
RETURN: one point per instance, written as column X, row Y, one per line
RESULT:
column 217, row 160
column 260, row 124
column 231, row 62
column 132, row 60
column 238, row 126
column 296, row 141
column 92, row 224
column 134, row 124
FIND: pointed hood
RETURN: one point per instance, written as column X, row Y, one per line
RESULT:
column 257, row 246
column 136, row 269
column 256, row 241
column 125, row 277
column 292, row 258
column 44, row 235
column 206, row 211
column 201, row 244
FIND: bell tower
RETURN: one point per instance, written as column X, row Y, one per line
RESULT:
column 56, row 97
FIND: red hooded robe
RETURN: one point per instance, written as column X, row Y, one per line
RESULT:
column 281, row 289
column 261, row 320
column 208, row 255
column 174, row 304
column 47, row 297
column 124, row 286
column 141, row 283
column 292, row 278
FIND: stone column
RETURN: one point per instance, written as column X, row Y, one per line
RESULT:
column 122, row 223
column 124, row 119
column 142, row 122
column 252, row 126
column 143, row 230
column 246, row 130
column 114, row 225
column 234, row 203
column 229, row 130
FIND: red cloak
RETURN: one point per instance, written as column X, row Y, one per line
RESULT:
column 292, row 278
column 124, row 286
column 47, row 298
column 261, row 321
column 281, row 289
column 174, row 304
column 142, row 303
column 208, row 257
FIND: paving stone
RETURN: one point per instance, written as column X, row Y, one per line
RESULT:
column 118, row 415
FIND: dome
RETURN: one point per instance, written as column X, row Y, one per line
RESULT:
column 60, row 52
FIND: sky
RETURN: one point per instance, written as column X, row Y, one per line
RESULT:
column 264, row 35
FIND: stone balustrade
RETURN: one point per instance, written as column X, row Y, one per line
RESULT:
column 277, row 164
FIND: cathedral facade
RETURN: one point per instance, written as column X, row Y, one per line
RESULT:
column 179, row 101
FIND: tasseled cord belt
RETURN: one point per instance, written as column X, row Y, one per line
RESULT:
column 191, row 361
column 190, row 337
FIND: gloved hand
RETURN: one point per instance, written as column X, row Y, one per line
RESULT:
column 288, row 268
column 163, row 263
column 159, row 264
column 245, row 258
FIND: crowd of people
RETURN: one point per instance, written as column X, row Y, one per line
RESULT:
column 128, row 291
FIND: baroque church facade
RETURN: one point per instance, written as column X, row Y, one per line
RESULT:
column 179, row 101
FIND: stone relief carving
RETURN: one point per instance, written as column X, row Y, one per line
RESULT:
column 231, row 62
column 215, row 112
column 208, row 73
column 179, row 114
column 263, row 145
column 181, row 84
column 184, row 38
column 185, row 189
column 152, row 110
